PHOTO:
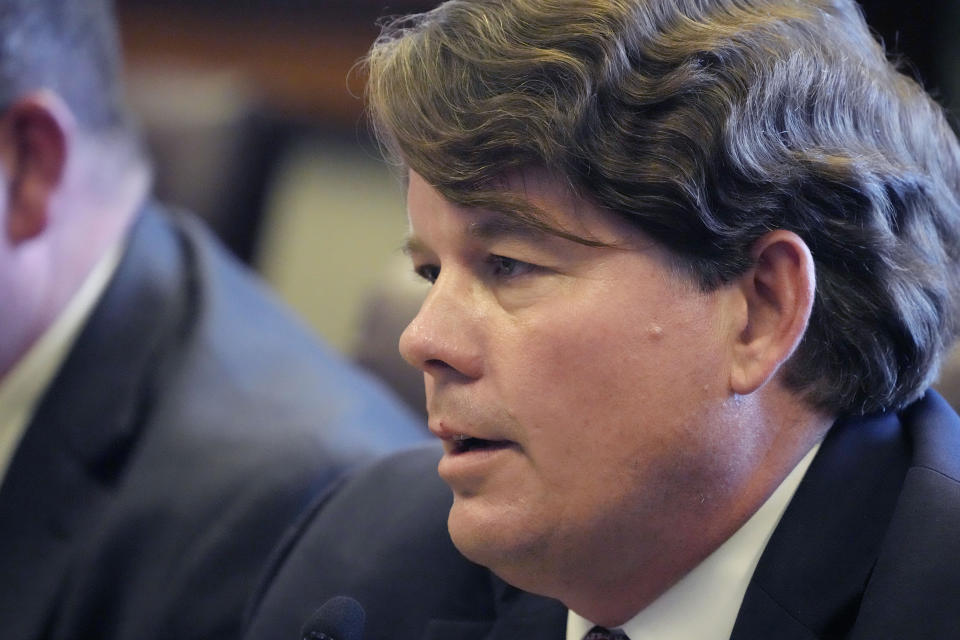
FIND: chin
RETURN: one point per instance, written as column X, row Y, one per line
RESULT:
column 516, row 553
column 480, row 539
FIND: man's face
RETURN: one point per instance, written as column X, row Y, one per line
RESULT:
column 581, row 393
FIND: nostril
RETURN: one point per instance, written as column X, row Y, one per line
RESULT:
column 442, row 370
column 436, row 363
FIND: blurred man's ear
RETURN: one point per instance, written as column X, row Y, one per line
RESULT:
column 35, row 133
column 779, row 293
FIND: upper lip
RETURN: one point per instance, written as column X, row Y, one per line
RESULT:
column 445, row 431
column 451, row 434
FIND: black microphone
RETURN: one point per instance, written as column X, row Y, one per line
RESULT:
column 339, row 618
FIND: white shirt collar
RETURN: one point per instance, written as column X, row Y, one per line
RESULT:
column 715, row 588
column 24, row 385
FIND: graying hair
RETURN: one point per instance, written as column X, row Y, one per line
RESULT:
column 69, row 47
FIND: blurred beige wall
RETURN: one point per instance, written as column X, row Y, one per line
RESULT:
column 334, row 227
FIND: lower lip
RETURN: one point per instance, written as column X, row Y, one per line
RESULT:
column 463, row 464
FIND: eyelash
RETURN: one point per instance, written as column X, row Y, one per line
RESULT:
column 501, row 267
column 429, row 272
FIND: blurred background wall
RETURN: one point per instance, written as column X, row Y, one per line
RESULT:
column 252, row 110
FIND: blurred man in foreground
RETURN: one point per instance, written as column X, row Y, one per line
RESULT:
column 162, row 420
column 694, row 266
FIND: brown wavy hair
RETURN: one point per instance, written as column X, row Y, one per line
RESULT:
column 706, row 123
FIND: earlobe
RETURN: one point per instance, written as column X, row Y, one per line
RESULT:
column 779, row 293
column 35, row 131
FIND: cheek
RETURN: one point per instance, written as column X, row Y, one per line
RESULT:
column 602, row 357
column 597, row 377
column 573, row 388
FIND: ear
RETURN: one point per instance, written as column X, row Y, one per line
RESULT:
column 35, row 131
column 779, row 292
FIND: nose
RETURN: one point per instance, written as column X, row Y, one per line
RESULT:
column 444, row 338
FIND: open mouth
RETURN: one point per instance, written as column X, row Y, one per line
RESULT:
column 464, row 444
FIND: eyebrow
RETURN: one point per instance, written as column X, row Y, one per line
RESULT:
column 413, row 245
column 490, row 229
column 502, row 225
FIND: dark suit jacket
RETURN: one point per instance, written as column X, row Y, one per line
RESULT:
column 868, row 549
column 192, row 421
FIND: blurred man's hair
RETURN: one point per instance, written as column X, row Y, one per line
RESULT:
column 69, row 47
column 706, row 123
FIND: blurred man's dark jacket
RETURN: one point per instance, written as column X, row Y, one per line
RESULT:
column 190, row 424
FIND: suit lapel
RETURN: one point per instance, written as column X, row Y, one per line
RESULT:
column 812, row 574
column 63, row 472
column 40, row 511
column 763, row 617
column 915, row 588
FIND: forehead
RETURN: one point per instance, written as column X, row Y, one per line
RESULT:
column 560, row 212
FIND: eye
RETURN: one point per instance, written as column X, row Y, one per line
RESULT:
column 429, row 272
column 503, row 267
